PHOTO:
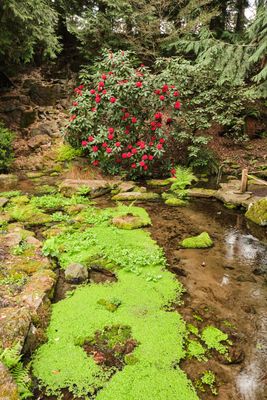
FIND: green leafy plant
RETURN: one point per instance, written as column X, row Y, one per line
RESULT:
column 183, row 177
column 11, row 358
column 6, row 150
column 124, row 118
column 208, row 378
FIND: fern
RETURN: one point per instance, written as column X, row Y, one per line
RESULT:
column 11, row 358
column 183, row 178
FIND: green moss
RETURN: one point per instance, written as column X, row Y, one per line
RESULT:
column 196, row 350
column 174, row 202
column 207, row 379
column 213, row 338
column 12, row 193
column 158, row 182
column 67, row 153
column 136, row 196
column 201, row 241
column 230, row 206
column 23, row 199
column 46, row 189
column 29, row 214
column 149, row 373
column 257, row 212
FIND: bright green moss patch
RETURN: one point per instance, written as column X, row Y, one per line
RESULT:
column 175, row 202
column 12, row 193
column 201, row 241
column 213, row 338
column 196, row 350
column 257, row 212
column 133, row 308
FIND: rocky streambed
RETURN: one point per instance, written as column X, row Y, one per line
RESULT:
column 100, row 307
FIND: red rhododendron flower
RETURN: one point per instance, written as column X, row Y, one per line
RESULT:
column 153, row 123
column 95, row 149
column 124, row 155
column 153, row 137
column 108, row 150
column 159, row 146
column 138, row 84
column 157, row 91
column 145, row 167
column 117, row 144
column 101, row 84
column 151, row 144
column 118, row 160
column 129, row 154
column 177, row 105
column 127, row 115
column 150, row 157
column 104, row 77
column 142, row 146
column 113, row 99
column 144, row 157
column 91, row 139
column 97, row 99
column 95, row 163
column 133, row 165
column 162, row 97
column 134, row 150
column 169, row 120
column 165, row 88
column 158, row 115
column 93, row 109
column 84, row 143
column 159, row 124
column 75, row 103
column 162, row 140
column 173, row 171
column 81, row 87
column 110, row 136
column 134, row 120
column 176, row 93
column 92, row 91
column 104, row 91
column 110, row 72
column 142, row 163
column 73, row 117
column 110, row 130
column 127, row 131
column 104, row 144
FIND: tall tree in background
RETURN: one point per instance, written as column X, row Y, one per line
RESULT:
column 27, row 28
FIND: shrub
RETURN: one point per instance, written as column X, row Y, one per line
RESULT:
column 126, row 118
column 6, row 151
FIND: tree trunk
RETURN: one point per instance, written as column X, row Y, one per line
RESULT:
column 240, row 20
column 217, row 24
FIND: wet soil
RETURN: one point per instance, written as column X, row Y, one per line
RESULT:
column 226, row 286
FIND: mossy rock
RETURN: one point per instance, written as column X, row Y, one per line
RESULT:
column 174, row 202
column 129, row 221
column 158, row 182
column 230, row 206
column 201, row 241
column 201, row 192
column 137, row 196
column 257, row 212
column 29, row 215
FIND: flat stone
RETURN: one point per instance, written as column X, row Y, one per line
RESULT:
column 3, row 201
column 76, row 273
column 127, row 186
column 229, row 193
column 14, row 325
column 158, row 182
column 96, row 187
column 201, row 192
column 138, row 196
column 8, row 388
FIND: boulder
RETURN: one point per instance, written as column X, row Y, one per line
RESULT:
column 38, row 140
column 76, row 273
column 201, row 241
column 45, row 95
column 28, row 116
column 8, row 388
column 96, row 187
column 257, row 212
column 14, row 326
column 201, row 192
column 137, row 196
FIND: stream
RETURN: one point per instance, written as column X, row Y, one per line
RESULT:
column 225, row 286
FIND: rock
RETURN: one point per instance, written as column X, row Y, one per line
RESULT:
column 230, row 193
column 12, row 239
column 14, row 326
column 138, row 196
column 76, row 273
column 21, row 147
column 127, row 186
column 7, row 179
column 3, row 201
column 257, row 212
column 38, row 288
column 158, row 182
column 174, row 202
column 46, row 128
column 129, row 222
column 201, row 241
column 28, row 116
column 45, row 95
column 201, row 192
column 96, row 187
column 38, row 140
column 8, row 388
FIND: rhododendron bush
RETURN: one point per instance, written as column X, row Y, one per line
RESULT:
column 125, row 118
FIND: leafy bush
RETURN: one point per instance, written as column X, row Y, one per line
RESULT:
column 126, row 118
column 6, row 151
column 183, row 178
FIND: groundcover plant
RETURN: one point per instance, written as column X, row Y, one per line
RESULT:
column 138, row 303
